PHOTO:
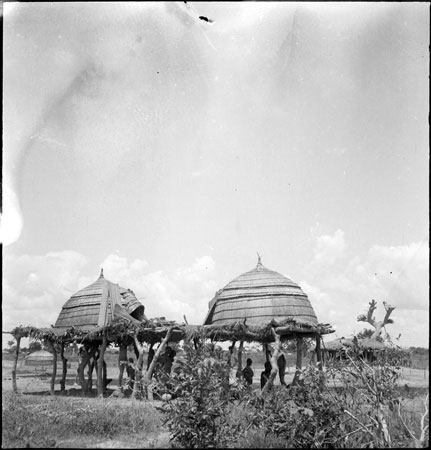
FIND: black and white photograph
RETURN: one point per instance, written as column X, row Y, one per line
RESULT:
column 215, row 224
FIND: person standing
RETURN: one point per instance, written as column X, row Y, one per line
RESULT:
column 281, row 363
column 264, row 376
column 247, row 372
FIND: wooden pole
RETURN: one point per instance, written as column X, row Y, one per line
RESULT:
column 90, row 367
column 273, row 361
column 298, row 360
column 231, row 349
column 149, row 373
column 54, row 367
column 318, row 352
column 139, row 362
column 100, row 361
column 18, row 342
column 267, row 352
column 85, row 358
column 240, row 350
column 319, row 360
column 64, row 372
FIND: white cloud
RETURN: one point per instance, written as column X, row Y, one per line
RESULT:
column 328, row 248
column 340, row 287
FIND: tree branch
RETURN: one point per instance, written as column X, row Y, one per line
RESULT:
column 389, row 310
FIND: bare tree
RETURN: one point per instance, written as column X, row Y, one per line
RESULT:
column 369, row 317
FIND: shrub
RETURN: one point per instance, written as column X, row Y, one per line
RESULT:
column 198, row 414
column 358, row 406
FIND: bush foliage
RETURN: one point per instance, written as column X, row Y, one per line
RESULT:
column 198, row 416
column 359, row 405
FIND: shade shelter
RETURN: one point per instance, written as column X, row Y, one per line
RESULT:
column 369, row 348
column 264, row 306
column 100, row 314
column 39, row 358
column 97, row 306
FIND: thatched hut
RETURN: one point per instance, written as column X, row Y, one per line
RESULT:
column 39, row 358
column 263, row 305
column 100, row 314
column 91, row 309
column 99, row 304
column 370, row 349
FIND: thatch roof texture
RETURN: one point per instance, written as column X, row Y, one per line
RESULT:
column 40, row 357
column 364, row 344
column 259, row 296
column 98, row 305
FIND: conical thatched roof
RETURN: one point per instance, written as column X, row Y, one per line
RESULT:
column 41, row 357
column 98, row 304
column 259, row 296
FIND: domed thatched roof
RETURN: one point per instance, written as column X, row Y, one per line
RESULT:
column 259, row 296
column 98, row 304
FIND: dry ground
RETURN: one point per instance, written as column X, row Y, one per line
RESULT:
column 36, row 384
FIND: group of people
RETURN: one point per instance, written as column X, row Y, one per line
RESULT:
column 248, row 372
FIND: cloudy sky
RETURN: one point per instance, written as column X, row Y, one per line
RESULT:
column 170, row 150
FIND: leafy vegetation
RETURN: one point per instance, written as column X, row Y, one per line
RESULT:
column 359, row 405
column 198, row 417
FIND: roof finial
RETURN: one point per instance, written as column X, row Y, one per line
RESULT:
column 101, row 273
column 259, row 262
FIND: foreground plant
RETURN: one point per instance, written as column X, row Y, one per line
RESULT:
column 359, row 406
column 197, row 413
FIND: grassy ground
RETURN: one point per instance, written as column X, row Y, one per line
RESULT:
column 44, row 421
column 35, row 418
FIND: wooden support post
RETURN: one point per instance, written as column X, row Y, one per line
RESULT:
column 149, row 373
column 319, row 360
column 150, row 355
column 267, row 352
column 100, row 361
column 298, row 360
column 139, row 363
column 90, row 367
column 54, row 367
column 318, row 352
column 15, row 362
column 231, row 349
column 104, row 374
column 136, row 350
column 240, row 350
column 273, row 361
column 85, row 358
column 64, row 372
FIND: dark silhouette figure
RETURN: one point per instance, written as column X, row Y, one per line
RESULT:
column 264, row 377
column 281, row 363
column 247, row 372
